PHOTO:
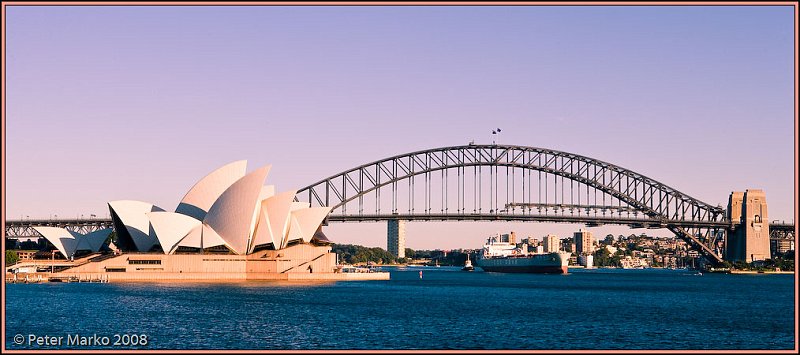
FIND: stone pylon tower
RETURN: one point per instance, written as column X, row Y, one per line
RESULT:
column 749, row 239
column 396, row 239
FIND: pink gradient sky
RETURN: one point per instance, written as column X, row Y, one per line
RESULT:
column 107, row 103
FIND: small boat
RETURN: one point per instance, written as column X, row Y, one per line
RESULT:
column 468, row 265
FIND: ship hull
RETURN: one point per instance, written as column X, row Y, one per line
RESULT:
column 553, row 263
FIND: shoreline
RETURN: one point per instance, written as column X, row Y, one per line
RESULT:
column 103, row 277
column 748, row 272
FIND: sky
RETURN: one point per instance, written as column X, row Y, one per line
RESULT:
column 139, row 102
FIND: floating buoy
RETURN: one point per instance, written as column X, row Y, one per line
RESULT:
column 420, row 274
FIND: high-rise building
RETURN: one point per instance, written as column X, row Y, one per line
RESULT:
column 396, row 240
column 584, row 242
column 551, row 243
column 780, row 246
column 568, row 244
column 749, row 239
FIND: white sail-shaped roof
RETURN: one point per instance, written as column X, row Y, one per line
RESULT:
column 210, row 238
column 225, row 208
column 232, row 215
column 68, row 242
column 275, row 211
column 133, row 216
column 294, row 232
column 266, row 192
column 81, row 242
column 299, row 205
column 205, row 192
column 193, row 239
column 170, row 228
column 61, row 238
column 308, row 220
column 201, row 236
column 262, row 233
column 96, row 239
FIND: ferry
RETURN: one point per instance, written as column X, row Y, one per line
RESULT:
column 499, row 255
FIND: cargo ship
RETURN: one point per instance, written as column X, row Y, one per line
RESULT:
column 500, row 255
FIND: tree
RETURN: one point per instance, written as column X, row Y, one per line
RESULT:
column 351, row 254
column 602, row 257
column 409, row 253
column 28, row 245
column 11, row 257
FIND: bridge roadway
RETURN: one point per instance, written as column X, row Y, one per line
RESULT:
column 21, row 228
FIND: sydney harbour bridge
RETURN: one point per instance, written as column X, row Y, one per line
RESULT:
column 501, row 183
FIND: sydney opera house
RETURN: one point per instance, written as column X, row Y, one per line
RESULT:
column 228, row 226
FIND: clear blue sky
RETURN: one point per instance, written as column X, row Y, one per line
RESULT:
column 107, row 103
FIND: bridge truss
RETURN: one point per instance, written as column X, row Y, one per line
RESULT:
column 23, row 228
column 515, row 183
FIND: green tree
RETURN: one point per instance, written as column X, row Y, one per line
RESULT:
column 602, row 257
column 351, row 254
column 11, row 257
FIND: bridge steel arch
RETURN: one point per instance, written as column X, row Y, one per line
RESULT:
column 621, row 191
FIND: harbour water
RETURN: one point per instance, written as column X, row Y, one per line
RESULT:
column 445, row 309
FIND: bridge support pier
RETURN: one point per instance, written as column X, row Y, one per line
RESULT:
column 396, row 238
column 749, row 239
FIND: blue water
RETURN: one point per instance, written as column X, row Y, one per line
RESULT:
column 446, row 309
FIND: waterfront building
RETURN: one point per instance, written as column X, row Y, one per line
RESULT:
column 749, row 239
column 396, row 240
column 23, row 255
column 586, row 260
column 780, row 246
column 228, row 226
column 634, row 263
column 584, row 242
column 551, row 243
column 573, row 260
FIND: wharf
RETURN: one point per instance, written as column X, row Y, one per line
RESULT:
column 25, row 278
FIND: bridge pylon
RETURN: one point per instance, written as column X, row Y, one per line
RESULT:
column 748, row 239
column 396, row 237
